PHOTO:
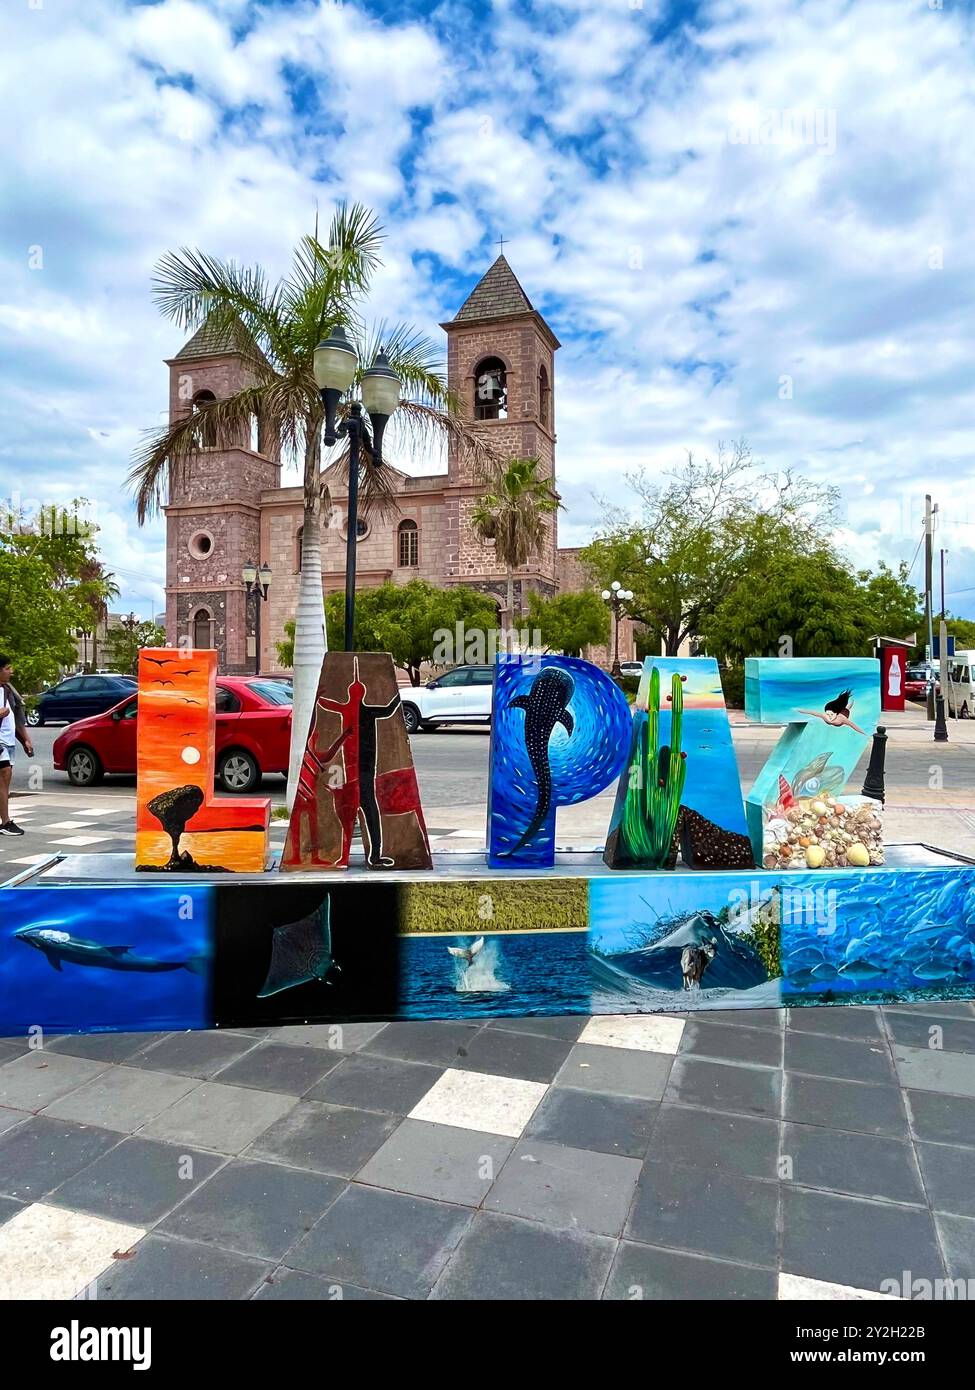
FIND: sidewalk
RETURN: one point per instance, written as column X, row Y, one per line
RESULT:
column 755, row 1155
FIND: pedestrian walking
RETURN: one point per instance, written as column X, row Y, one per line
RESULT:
column 13, row 728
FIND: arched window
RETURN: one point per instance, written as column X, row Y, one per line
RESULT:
column 490, row 390
column 409, row 544
column 299, row 539
column 544, row 398
column 202, row 629
column 200, row 402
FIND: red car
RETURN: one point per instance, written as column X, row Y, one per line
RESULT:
column 253, row 736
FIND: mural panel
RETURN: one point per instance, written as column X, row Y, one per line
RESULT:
column 560, row 732
column 357, row 766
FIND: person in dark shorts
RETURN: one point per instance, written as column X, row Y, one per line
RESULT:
column 13, row 727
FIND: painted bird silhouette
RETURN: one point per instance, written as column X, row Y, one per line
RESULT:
column 190, row 702
column 159, row 681
column 194, row 670
column 160, row 660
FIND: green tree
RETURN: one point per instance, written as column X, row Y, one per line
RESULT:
column 407, row 620
column 893, row 603
column 700, row 533
column 275, row 328
column 123, row 644
column 512, row 513
column 45, row 590
column 569, row 622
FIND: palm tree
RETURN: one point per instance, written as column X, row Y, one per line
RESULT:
column 275, row 328
column 511, row 512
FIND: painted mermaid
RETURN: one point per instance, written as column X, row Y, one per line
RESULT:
column 836, row 711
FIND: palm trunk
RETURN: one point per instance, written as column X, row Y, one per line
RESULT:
column 310, row 637
column 511, row 600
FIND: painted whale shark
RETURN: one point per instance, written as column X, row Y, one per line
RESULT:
column 59, row 946
column 545, row 705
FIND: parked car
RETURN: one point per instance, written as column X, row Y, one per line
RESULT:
column 631, row 668
column 961, row 685
column 253, row 736
column 460, row 696
column 918, row 679
column 78, row 697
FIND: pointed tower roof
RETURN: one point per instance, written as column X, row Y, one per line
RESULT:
column 212, row 339
column 497, row 295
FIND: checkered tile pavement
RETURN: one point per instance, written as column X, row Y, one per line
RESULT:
column 755, row 1155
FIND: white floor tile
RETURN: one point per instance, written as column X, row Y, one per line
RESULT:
column 90, row 811
column 68, row 825
column 475, row 1100
column 29, row 859
column 638, row 1032
column 797, row 1286
column 83, row 840
column 52, row 1253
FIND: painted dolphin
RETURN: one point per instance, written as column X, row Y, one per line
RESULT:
column 58, row 946
column 467, row 952
column 544, row 706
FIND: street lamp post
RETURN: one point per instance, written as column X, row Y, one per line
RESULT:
column 616, row 596
column 335, row 365
column 257, row 582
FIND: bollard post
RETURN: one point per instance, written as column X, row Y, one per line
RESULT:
column 873, row 783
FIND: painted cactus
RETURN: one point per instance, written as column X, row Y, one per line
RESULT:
column 652, row 805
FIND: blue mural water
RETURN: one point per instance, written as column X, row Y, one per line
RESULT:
column 560, row 733
column 106, row 958
column 879, row 935
column 509, row 973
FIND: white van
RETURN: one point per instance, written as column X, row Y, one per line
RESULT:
column 960, row 696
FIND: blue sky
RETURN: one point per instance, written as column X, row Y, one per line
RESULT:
column 714, row 266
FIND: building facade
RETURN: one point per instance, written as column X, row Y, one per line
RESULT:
column 227, row 507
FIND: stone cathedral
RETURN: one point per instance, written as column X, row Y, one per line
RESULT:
column 227, row 506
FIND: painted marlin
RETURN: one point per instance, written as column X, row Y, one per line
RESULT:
column 58, row 946
column 544, row 706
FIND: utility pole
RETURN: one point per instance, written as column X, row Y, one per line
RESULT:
column 943, row 554
column 929, row 512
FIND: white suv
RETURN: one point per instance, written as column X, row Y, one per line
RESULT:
column 460, row 696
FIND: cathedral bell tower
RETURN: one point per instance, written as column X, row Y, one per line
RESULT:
column 501, row 366
column 213, row 517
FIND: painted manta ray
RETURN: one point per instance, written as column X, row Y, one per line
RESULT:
column 544, row 706
column 59, row 946
column 467, row 953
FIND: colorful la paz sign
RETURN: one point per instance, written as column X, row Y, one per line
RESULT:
column 181, row 826
column 560, row 733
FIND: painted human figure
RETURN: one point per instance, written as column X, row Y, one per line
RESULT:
column 835, row 711
column 356, row 791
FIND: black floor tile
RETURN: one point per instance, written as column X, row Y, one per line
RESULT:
column 295, row 1286
column 923, row 1030
column 650, row 1273
column 326, row 1138
column 958, row 1238
column 506, row 1258
column 105, row 1047
column 772, row 1019
column 259, row 1209
column 837, row 1021
column 845, row 1240
column 949, row 1178
column 862, row 1165
column 41, row 1154
column 523, row 1055
column 290, row 1071
column 735, row 1144
column 942, row 1119
column 376, row 1083
column 9, row 1207
column 162, row 1268
column 137, row 1182
column 723, row 1086
column 200, row 1054
column 819, row 1100
column 848, row 1059
column 711, row 1213
column 758, row 1046
column 567, row 1026
column 382, row 1240
column 590, row 1120
column 443, row 1044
